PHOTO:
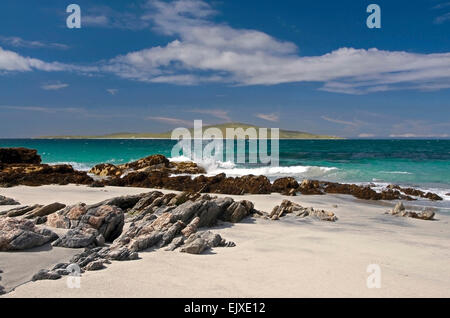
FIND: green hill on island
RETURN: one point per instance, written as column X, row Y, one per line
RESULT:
column 283, row 134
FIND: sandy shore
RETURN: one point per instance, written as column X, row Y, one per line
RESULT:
column 287, row 258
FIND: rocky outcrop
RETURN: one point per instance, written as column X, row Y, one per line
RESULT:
column 400, row 210
column 8, row 201
column 20, row 234
column 149, row 164
column 285, row 186
column 216, row 184
column 161, row 220
column 87, row 223
column 40, row 174
column 199, row 242
column 416, row 193
column 19, row 155
column 287, row 207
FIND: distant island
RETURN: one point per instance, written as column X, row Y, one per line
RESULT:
column 284, row 134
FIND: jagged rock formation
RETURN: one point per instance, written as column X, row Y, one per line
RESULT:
column 400, row 210
column 287, row 207
column 20, row 234
column 149, row 164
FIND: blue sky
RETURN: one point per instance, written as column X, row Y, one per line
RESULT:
column 151, row 66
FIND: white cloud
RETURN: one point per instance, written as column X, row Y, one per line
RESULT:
column 105, row 17
column 442, row 18
column 54, row 86
column 204, row 51
column 171, row 121
column 19, row 42
column 218, row 113
column 269, row 117
column 413, row 135
column 11, row 61
column 112, row 91
column 355, row 123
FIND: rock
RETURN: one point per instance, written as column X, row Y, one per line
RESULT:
column 145, row 201
column 427, row 214
column 108, row 220
column 237, row 211
column 8, row 201
column 199, row 242
column 123, row 254
column 100, row 240
column 191, row 227
column 287, row 207
column 309, row 187
column 41, row 174
column 151, row 163
column 77, row 237
column 95, row 266
column 106, row 170
column 21, row 234
column 196, row 246
column 45, row 274
column 22, row 210
column 176, row 242
column 48, row 209
column 285, row 186
column 19, row 155
column 398, row 209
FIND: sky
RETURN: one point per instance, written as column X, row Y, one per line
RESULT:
column 153, row 65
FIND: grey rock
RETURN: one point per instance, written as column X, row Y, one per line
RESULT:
column 176, row 242
column 196, row 246
column 7, row 201
column 123, row 254
column 48, row 209
column 22, row 210
column 45, row 274
column 95, row 266
column 399, row 208
column 76, row 238
column 173, row 231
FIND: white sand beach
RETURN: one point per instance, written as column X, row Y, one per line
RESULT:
column 286, row 258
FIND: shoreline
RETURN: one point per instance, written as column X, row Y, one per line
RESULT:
column 319, row 259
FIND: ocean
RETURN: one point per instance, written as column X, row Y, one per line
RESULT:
column 423, row 164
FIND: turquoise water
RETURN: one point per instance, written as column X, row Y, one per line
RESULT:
column 420, row 163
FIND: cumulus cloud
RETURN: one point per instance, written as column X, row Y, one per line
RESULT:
column 19, row 42
column 269, row 117
column 11, row 61
column 54, row 86
column 205, row 51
